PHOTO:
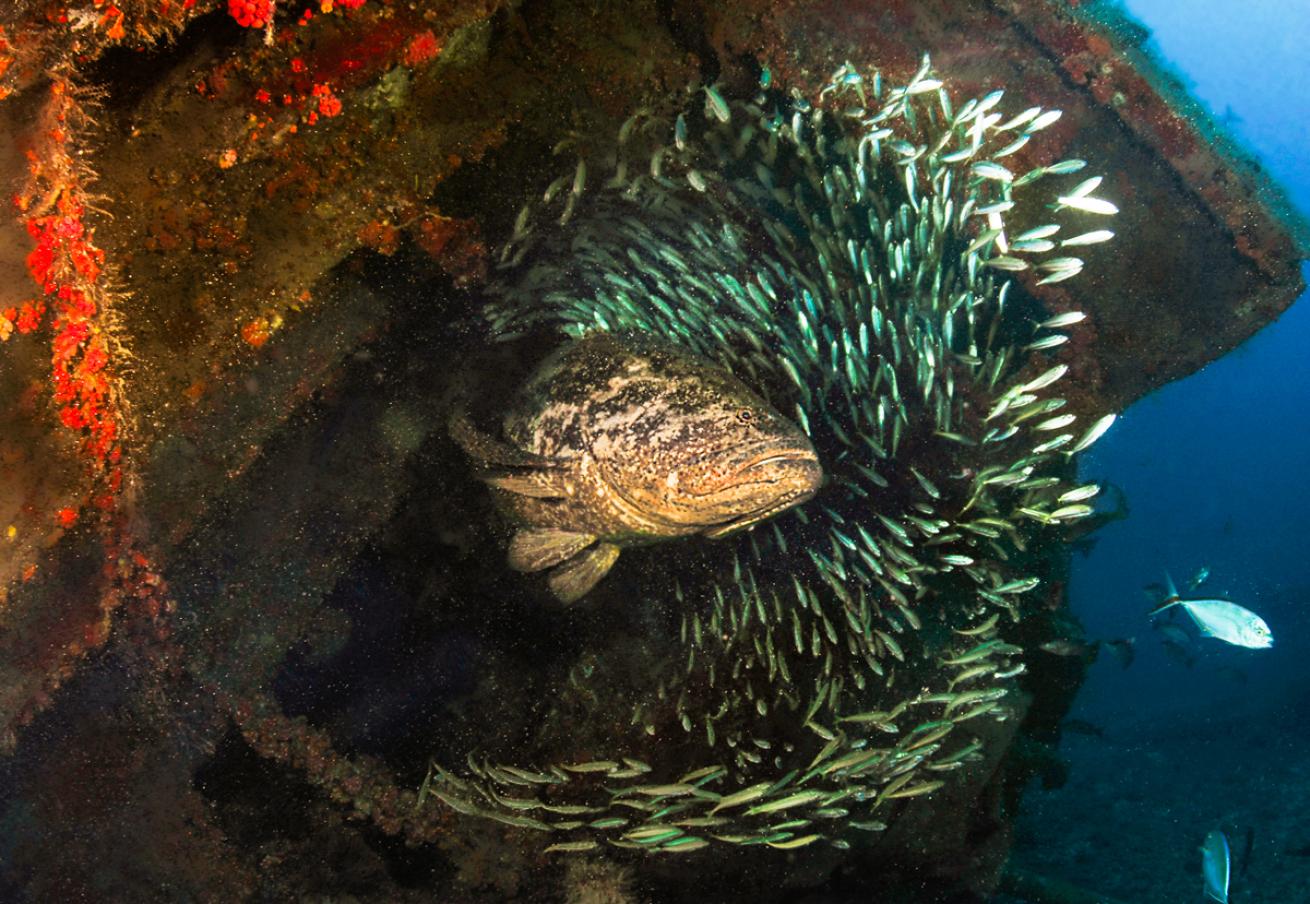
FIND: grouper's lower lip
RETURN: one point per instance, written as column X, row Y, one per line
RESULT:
column 781, row 504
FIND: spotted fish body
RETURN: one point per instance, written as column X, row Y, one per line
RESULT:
column 623, row 440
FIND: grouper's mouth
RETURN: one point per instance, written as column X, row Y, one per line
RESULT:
column 798, row 464
column 777, row 505
column 766, row 459
column 753, row 464
column 769, row 481
column 797, row 475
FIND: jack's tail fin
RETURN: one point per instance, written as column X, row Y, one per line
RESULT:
column 1173, row 601
column 1171, row 597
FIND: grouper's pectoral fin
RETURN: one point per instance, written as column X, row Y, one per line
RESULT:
column 535, row 548
column 537, row 484
column 510, row 469
column 488, row 451
column 571, row 581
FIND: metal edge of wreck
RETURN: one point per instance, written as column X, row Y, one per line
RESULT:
column 1153, row 103
column 1088, row 52
column 1100, row 49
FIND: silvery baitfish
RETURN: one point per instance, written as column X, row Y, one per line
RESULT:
column 1215, row 866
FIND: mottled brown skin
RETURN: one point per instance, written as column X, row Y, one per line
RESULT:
column 622, row 440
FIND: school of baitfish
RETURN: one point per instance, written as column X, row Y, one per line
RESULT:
column 852, row 259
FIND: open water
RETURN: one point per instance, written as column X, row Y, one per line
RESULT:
column 1215, row 471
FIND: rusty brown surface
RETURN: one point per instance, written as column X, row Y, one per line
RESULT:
column 1205, row 260
column 265, row 467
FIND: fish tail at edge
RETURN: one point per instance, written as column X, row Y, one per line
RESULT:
column 1168, row 601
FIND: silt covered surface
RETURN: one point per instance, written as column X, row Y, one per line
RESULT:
column 225, row 680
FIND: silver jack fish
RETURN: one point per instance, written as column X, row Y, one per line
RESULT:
column 623, row 440
column 1221, row 619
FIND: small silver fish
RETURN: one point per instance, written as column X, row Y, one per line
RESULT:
column 1087, row 204
column 1088, row 238
column 1221, row 619
column 1066, row 647
column 1177, row 643
column 985, row 169
column 715, row 103
column 1175, row 634
column 1215, row 866
column 1124, row 650
column 1044, row 120
column 1094, row 432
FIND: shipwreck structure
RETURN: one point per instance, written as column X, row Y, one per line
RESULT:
column 248, row 590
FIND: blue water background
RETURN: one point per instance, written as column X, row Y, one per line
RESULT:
column 1216, row 469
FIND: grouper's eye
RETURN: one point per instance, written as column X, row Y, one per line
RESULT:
column 745, row 415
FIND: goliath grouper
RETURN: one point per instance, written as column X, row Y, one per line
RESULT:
column 623, row 440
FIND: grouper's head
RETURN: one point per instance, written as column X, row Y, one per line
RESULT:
column 696, row 449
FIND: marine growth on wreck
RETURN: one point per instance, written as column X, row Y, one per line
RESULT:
column 853, row 257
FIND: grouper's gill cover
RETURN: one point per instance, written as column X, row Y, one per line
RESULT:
column 640, row 441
